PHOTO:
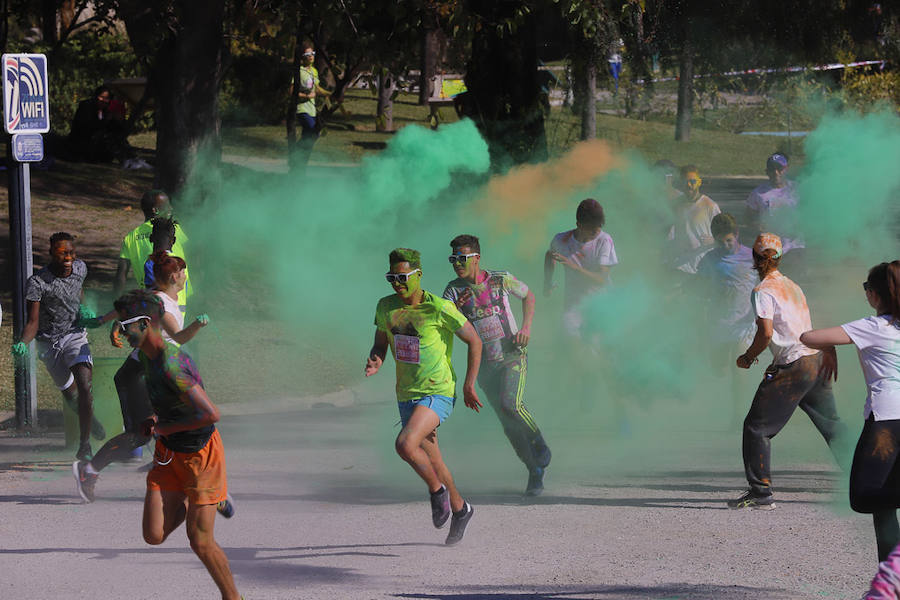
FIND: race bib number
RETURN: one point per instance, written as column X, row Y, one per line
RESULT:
column 406, row 349
column 489, row 328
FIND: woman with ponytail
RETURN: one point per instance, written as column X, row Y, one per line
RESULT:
column 169, row 273
column 874, row 485
column 797, row 377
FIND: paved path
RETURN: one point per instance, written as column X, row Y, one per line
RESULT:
column 325, row 510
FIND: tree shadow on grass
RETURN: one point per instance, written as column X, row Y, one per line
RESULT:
column 670, row 591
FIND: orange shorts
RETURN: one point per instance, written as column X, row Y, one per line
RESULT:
column 200, row 475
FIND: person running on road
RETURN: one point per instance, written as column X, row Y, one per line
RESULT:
column 56, row 321
column 874, row 478
column 691, row 234
column 727, row 279
column 418, row 326
column 587, row 253
column 798, row 375
column 772, row 206
column 188, row 479
column 136, row 246
column 136, row 408
column 483, row 297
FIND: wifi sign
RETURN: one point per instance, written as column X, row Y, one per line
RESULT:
column 26, row 103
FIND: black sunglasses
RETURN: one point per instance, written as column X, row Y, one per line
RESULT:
column 866, row 286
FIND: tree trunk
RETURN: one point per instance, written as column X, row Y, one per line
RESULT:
column 66, row 14
column 186, row 60
column 685, row 94
column 433, row 40
column 589, row 102
column 504, row 94
column 384, row 112
column 49, row 28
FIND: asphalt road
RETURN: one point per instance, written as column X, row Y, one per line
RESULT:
column 325, row 510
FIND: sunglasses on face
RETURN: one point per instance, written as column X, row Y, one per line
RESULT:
column 693, row 181
column 123, row 325
column 309, row 53
column 461, row 258
column 400, row 277
column 866, row 286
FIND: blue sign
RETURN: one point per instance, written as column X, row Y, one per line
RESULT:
column 26, row 97
column 28, row 147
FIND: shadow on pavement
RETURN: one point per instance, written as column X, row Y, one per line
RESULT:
column 671, row 591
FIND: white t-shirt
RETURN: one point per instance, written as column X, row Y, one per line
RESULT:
column 878, row 343
column 692, row 232
column 590, row 255
column 777, row 210
column 781, row 300
column 172, row 307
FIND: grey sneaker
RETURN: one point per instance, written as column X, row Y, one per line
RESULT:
column 440, row 507
column 535, row 482
column 84, row 481
column 748, row 500
column 458, row 525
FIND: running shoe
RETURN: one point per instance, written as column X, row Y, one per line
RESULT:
column 440, row 507
column 84, row 452
column 458, row 525
column 98, row 431
column 226, row 507
column 84, row 481
column 748, row 500
column 535, row 482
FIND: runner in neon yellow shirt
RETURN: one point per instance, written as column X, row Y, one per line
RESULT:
column 418, row 327
column 136, row 246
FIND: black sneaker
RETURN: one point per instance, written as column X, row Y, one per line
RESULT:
column 440, row 507
column 748, row 500
column 226, row 507
column 458, row 525
column 98, row 431
column 535, row 482
column 84, row 452
column 84, row 481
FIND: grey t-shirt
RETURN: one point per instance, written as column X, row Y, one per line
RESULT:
column 60, row 298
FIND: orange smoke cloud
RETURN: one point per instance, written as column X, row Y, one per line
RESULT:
column 523, row 199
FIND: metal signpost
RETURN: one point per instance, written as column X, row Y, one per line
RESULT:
column 26, row 115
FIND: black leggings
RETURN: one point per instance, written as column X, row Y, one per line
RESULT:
column 135, row 404
column 875, row 480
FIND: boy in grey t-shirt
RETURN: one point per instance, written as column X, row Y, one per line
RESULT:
column 55, row 322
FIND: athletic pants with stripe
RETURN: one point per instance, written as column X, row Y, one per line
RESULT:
column 503, row 382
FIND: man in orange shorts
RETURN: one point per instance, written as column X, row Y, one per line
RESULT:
column 188, row 478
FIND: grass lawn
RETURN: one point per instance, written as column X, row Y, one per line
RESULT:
column 351, row 135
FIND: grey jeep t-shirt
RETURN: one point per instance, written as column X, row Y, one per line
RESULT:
column 60, row 298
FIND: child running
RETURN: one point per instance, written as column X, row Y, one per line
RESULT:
column 874, row 479
column 483, row 297
column 188, row 479
column 727, row 280
column 55, row 321
column 587, row 253
column 419, row 328
column 798, row 375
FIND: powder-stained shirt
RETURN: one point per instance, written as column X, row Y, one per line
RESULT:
column 886, row 583
column 730, row 280
column 60, row 298
column 421, row 340
column 136, row 249
column 590, row 255
column 486, row 305
column 168, row 376
column 692, row 232
column 877, row 340
column 781, row 300
column 776, row 209
column 308, row 79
